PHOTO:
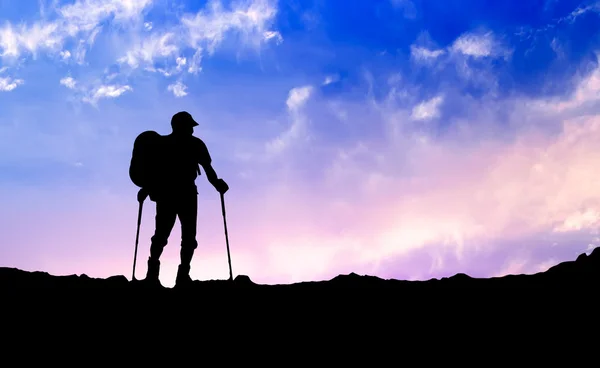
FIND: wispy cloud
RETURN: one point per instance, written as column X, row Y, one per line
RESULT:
column 330, row 79
column 149, row 49
column 81, row 19
column 479, row 45
column 68, row 82
column 459, row 193
column 297, row 98
column 427, row 109
column 423, row 54
column 106, row 91
column 8, row 84
column 68, row 33
column 178, row 89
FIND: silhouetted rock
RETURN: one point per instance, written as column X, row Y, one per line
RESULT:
column 243, row 280
column 585, row 270
column 15, row 278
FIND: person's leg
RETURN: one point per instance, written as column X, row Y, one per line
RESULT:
column 164, row 221
column 188, row 211
column 166, row 215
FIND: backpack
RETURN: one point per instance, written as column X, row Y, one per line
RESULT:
column 145, row 166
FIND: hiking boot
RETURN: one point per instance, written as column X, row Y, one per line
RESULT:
column 153, row 272
column 183, row 277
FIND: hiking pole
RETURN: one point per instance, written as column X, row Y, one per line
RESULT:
column 137, row 238
column 226, row 236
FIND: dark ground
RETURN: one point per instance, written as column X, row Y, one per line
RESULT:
column 482, row 320
column 585, row 270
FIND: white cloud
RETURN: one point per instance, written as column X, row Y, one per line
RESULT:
column 8, row 84
column 14, row 40
column 177, row 48
column 557, row 48
column 111, row 91
column 85, row 15
column 474, row 45
column 92, row 92
column 148, row 49
column 479, row 45
column 587, row 93
column 207, row 28
column 578, row 220
column 80, row 52
column 65, row 55
column 106, row 91
column 424, row 54
column 195, row 63
column 203, row 32
column 465, row 193
column 68, row 82
column 595, row 6
column 79, row 19
column 298, row 96
column 460, row 197
column 331, row 79
column 427, row 109
column 9, row 42
column 178, row 89
column 470, row 187
column 273, row 35
column 40, row 36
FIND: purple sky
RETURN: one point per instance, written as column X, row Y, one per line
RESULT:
column 397, row 138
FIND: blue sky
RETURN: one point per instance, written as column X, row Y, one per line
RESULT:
column 356, row 136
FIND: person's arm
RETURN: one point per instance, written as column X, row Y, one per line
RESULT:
column 211, row 175
column 219, row 184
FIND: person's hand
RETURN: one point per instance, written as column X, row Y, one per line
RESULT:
column 142, row 194
column 221, row 186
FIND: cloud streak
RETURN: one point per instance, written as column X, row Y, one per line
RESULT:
column 7, row 84
column 71, row 30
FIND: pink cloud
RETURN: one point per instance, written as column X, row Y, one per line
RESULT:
column 407, row 206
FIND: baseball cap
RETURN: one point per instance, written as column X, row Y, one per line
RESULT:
column 183, row 118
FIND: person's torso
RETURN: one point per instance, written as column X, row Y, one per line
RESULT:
column 179, row 162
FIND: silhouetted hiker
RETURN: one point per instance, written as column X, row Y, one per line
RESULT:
column 172, row 186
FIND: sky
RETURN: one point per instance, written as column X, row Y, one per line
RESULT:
column 405, row 139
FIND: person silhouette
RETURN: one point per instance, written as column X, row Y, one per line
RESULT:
column 176, row 194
